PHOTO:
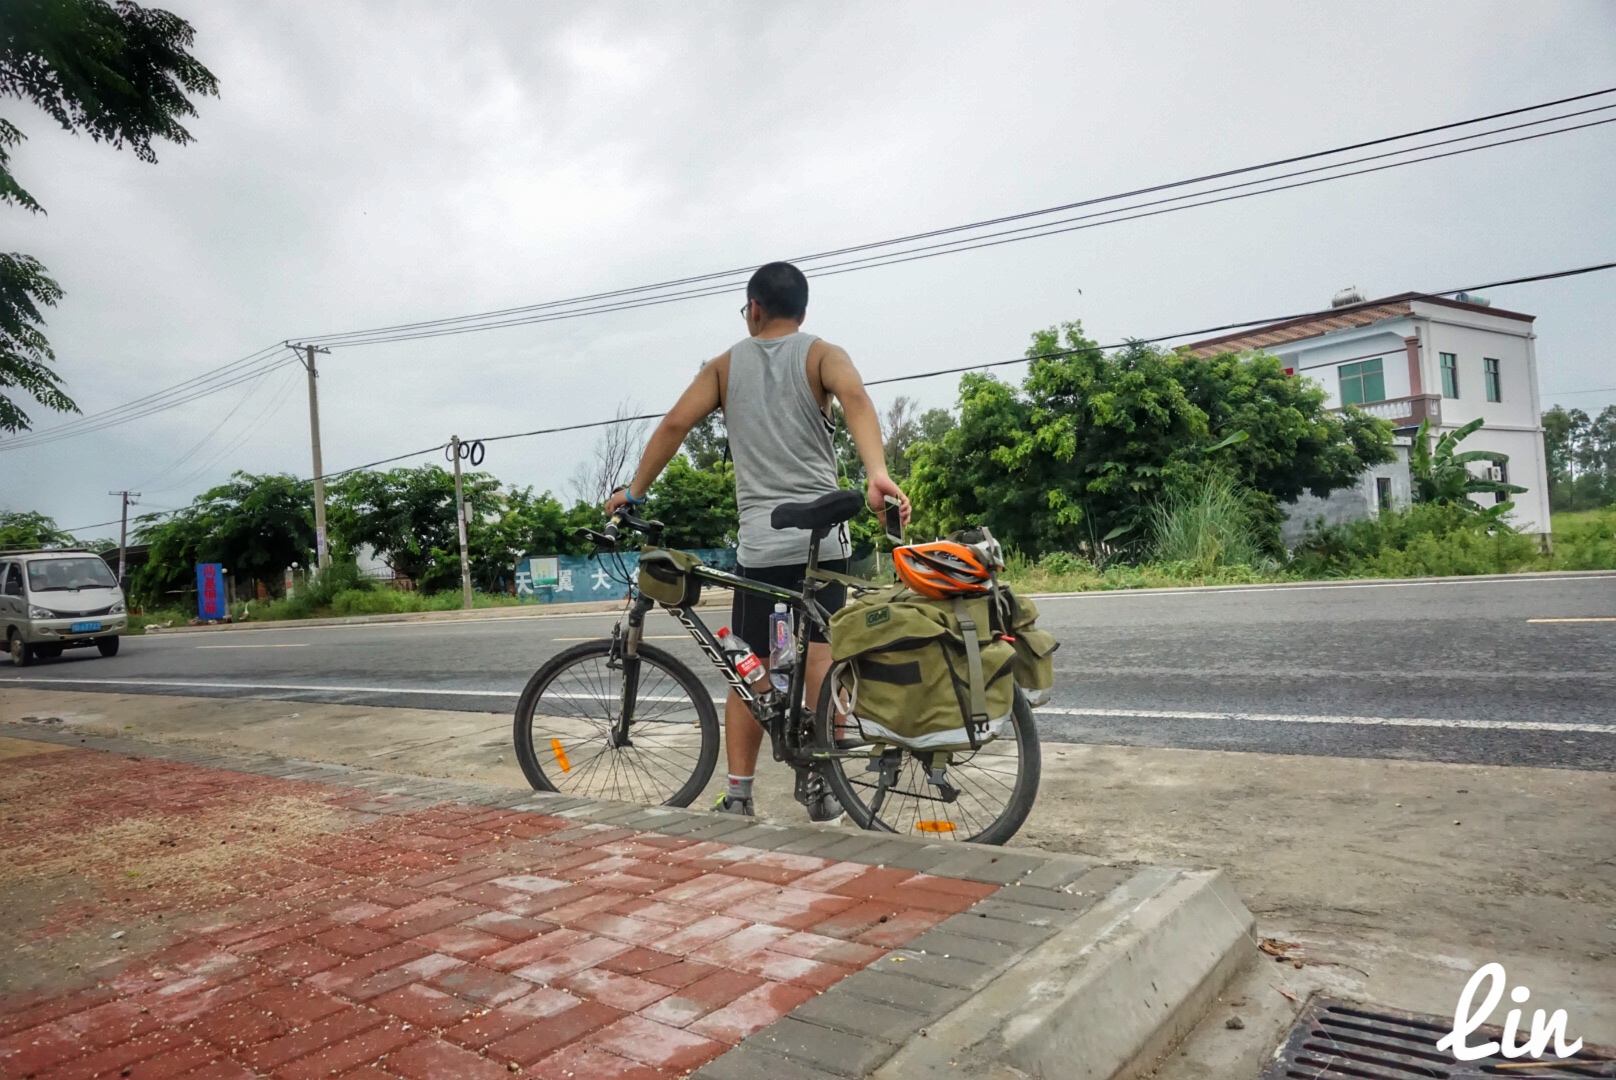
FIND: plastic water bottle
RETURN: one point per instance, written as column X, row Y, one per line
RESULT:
column 744, row 660
column 782, row 648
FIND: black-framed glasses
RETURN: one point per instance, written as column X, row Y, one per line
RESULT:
column 746, row 309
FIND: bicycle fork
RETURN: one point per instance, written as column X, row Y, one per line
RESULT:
column 626, row 650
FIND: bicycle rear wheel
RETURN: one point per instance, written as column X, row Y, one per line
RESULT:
column 568, row 713
column 994, row 787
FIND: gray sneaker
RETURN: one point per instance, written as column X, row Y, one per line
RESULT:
column 822, row 805
column 728, row 805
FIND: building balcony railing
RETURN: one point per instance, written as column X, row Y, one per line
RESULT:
column 1406, row 411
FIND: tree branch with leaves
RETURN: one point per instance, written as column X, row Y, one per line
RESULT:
column 118, row 72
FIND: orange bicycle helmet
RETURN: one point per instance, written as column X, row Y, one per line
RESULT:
column 942, row 569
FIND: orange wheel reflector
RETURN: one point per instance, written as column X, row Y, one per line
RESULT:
column 935, row 826
column 560, row 755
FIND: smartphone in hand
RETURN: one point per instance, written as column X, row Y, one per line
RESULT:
column 894, row 519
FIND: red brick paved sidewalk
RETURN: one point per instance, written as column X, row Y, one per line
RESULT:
column 296, row 931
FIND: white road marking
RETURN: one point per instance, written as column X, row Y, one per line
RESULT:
column 307, row 688
column 643, row 637
column 262, row 645
column 1602, row 618
column 194, row 684
column 1361, row 721
column 1134, row 714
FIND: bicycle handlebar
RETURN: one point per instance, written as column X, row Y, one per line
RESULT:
column 607, row 538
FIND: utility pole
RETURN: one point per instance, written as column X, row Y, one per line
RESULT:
column 460, row 523
column 123, row 532
column 322, row 553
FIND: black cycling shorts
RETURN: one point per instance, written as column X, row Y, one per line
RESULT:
column 749, row 614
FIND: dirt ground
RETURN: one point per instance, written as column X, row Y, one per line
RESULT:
column 1384, row 880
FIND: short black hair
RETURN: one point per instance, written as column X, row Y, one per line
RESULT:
column 781, row 289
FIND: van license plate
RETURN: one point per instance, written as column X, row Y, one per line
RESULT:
column 84, row 627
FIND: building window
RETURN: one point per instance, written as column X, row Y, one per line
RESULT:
column 1450, row 375
column 1502, row 474
column 1362, row 383
column 1495, row 388
column 1383, row 492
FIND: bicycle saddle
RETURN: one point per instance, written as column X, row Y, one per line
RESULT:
column 822, row 513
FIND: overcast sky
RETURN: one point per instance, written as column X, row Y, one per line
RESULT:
column 368, row 164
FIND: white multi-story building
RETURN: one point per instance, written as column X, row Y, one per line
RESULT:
column 1408, row 358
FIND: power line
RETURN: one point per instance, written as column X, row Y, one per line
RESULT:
column 259, row 363
column 1573, row 393
column 234, row 374
column 1049, row 228
column 335, row 338
column 1552, row 275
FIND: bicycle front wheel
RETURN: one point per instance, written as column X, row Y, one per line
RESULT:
column 988, row 794
column 567, row 719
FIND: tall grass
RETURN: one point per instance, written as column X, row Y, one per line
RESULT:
column 1207, row 527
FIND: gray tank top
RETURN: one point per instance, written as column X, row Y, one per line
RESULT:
column 781, row 443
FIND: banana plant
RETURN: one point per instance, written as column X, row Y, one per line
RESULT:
column 1440, row 475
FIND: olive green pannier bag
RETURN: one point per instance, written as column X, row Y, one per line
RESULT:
column 1035, row 648
column 665, row 576
column 923, row 674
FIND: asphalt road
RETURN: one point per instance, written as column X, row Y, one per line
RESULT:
column 1512, row 672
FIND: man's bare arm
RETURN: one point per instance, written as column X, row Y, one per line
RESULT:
column 693, row 406
column 841, row 378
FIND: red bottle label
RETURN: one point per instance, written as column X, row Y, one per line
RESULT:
column 746, row 665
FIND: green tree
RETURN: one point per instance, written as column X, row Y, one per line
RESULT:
column 407, row 516
column 526, row 524
column 707, row 445
column 255, row 525
column 116, row 71
column 1091, row 441
column 27, row 529
column 696, row 505
column 1441, row 476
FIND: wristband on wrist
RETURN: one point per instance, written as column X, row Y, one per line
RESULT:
column 628, row 496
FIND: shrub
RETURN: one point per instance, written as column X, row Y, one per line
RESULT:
column 1585, row 541
column 1425, row 540
column 1206, row 527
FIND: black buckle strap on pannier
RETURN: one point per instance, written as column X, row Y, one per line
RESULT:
column 976, row 727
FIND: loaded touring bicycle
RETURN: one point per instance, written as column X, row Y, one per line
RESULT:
column 923, row 726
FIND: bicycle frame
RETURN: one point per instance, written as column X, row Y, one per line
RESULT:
column 777, row 718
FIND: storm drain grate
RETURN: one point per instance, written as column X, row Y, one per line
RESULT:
column 1338, row 1040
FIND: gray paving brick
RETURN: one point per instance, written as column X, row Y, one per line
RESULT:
column 718, row 827
column 973, row 864
column 1060, row 870
column 1026, row 914
column 855, row 1015
column 944, row 943
column 853, row 848
column 892, row 847
column 837, row 1052
column 763, row 837
column 1053, row 899
column 937, row 969
column 813, row 842
column 886, row 988
column 683, row 827
column 1000, row 931
column 924, row 858
column 1005, row 869
column 747, row 1062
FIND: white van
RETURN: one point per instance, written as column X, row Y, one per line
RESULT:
column 55, row 600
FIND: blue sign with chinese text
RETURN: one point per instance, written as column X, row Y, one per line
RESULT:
column 569, row 579
column 210, row 599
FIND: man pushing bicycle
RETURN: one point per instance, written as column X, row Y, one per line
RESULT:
column 775, row 388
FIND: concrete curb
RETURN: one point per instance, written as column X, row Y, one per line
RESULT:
column 1106, row 997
